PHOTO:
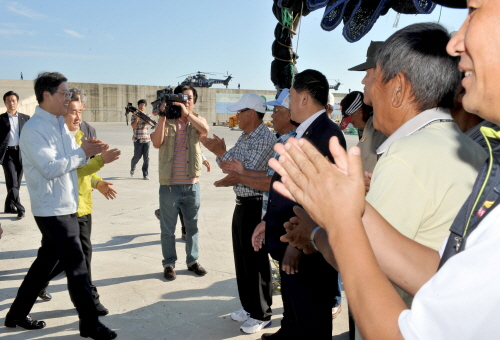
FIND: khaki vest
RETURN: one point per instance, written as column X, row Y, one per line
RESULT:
column 166, row 152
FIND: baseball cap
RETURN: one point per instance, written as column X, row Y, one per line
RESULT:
column 283, row 99
column 370, row 57
column 249, row 101
column 452, row 3
column 350, row 104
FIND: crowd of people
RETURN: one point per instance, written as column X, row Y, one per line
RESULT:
column 377, row 217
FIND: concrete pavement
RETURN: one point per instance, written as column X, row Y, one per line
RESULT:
column 127, row 260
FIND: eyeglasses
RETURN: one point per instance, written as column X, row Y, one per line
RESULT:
column 66, row 94
column 241, row 111
column 276, row 109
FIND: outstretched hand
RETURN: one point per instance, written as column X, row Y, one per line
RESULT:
column 231, row 179
column 233, row 165
column 318, row 185
column 299, row 230
column 92, row 147
column 109, row 156
column 258, row 235
column 105, row 188
column 216, row 145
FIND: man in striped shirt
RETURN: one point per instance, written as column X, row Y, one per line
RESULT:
column 141, row 140
column 180, row 168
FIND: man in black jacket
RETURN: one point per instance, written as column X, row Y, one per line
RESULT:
column 308, row 286
column 11, row 124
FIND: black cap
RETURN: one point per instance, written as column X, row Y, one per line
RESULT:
column 452, row 3
column 370, row 57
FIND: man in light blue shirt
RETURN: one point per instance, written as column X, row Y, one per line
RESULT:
column 50, row 159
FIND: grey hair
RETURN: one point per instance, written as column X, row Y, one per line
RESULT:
column 419, row 52
column 78, row 91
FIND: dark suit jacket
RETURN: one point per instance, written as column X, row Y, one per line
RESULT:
column 5, row 130
column 280, row 209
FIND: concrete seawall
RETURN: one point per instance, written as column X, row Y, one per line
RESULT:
column 106, row 102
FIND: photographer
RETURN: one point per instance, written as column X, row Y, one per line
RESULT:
column 141, row 140
column 179, row 169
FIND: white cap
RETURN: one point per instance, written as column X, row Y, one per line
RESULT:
column 249, row 101
column 283, row 99
column 331, row 99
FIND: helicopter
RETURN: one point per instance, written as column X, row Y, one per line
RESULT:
column 200, row 79
column 336, row 86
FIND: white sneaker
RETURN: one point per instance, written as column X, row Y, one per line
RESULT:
column 240, row 315
column 254, row 326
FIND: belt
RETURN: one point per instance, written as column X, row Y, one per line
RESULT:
column 15, row 147
column 240, row 200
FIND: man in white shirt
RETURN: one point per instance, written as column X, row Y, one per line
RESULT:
column 51, row 157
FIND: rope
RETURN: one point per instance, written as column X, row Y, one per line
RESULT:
column 289, row 28
column 283, row 44
column 300, row 24
column 292, row 61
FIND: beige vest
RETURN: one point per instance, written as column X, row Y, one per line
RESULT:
column 166, row 152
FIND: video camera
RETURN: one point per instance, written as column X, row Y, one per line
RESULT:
column 168, row 97
column 129, row 108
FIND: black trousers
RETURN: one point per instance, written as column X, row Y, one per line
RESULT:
column 253, row 271
column 308, row 299
column 13, row 170
column 60, row 243
column 85, row 224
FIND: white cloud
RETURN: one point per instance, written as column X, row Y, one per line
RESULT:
column 74, row 34
column 15, row 31
column 16, row 53
column 8, row 29
column 20, row 9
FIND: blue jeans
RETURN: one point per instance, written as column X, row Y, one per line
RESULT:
column 141, row 150
column 186, row 198
column 338, row 298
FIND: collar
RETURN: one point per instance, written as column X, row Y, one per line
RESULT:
column 287, row 135
column 256, row 131
column 12, row 115
column 305, row 124
column 475, row 129
column 413, row 125
column 45, row 114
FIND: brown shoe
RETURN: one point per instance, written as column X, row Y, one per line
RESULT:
column 197, row 269
column 169, row 273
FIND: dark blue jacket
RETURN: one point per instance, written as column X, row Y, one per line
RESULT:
column 280, row 209
column 5, row 130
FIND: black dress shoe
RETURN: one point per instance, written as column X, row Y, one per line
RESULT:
column 198, row 269
column 20, row 215
column 44, row 295
column 169, row 273
column 26, row 322
column 101, row 310
column 97, row 332
column 10, row 211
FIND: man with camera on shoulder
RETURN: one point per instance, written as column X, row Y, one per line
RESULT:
column 177, row 136
column 141, row 140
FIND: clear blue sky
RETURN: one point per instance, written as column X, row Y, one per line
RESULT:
column 153, row 42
